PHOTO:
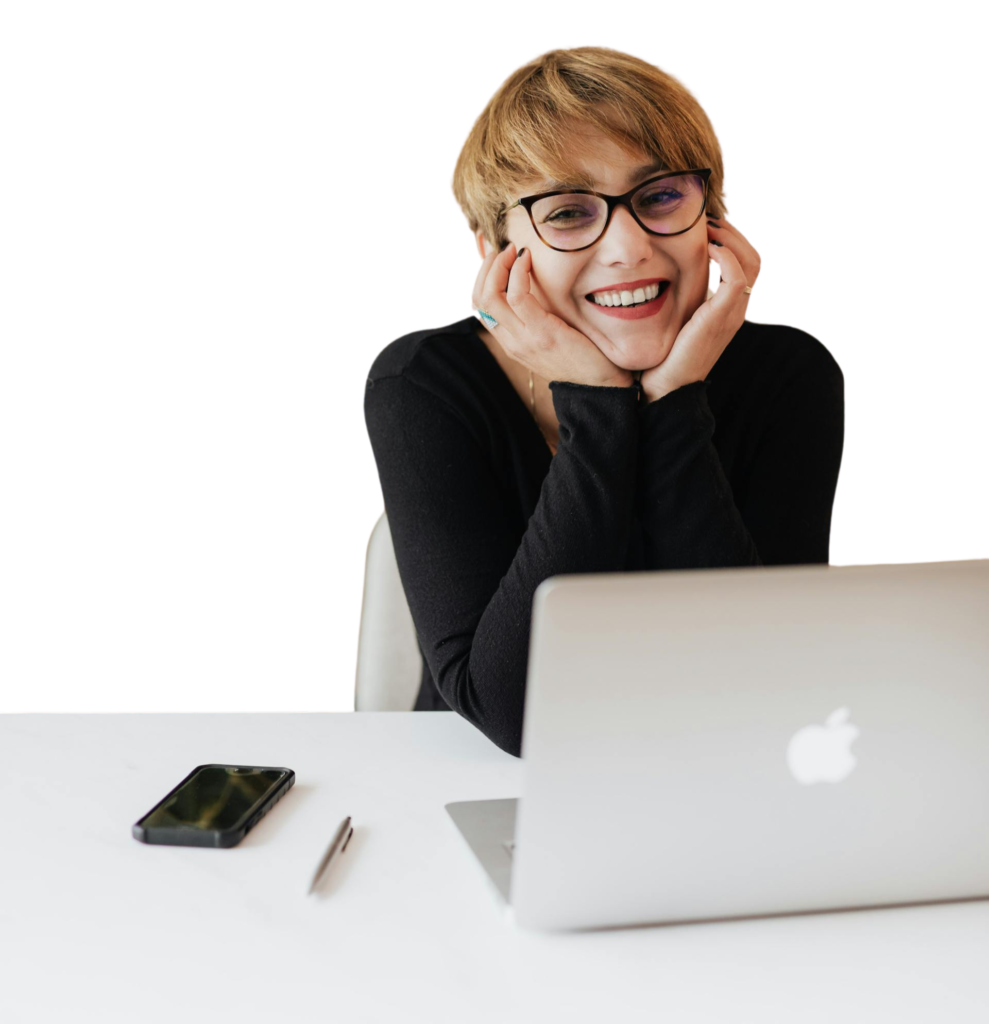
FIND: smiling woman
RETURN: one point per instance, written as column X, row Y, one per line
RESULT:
column 642, row 152
column 613, row 414
column 525, row 137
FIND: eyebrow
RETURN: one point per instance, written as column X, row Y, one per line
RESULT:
column 635, row 175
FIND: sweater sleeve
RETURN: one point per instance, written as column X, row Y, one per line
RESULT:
column 690, row 516
column 468, row 576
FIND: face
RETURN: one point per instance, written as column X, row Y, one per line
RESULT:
column 561, row 280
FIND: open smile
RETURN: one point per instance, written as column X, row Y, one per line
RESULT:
column 633, row 310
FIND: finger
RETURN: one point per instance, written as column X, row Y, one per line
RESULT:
column 483, row 286
column 719, row 231
column 493, row 292
column 517, row 289
column 723, row 230
column 481, row 275
column 530, row 312
column 732, row 275
column 748, row 258
column 728, row 263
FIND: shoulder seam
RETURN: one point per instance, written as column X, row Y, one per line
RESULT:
column 424, row 336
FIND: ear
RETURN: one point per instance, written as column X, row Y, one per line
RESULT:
column 482, row 245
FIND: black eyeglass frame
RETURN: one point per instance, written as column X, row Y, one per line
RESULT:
column 623, row 200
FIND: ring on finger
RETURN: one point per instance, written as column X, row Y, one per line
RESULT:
column 489, row 320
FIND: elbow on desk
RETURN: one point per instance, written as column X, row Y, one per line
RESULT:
column 499, row 719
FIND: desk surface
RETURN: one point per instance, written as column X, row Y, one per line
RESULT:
column 407, row 927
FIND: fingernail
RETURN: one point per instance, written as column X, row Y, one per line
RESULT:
column 713, row 242
column 522, row 250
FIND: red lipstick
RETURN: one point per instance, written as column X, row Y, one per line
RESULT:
column 650, row 308
column 629, row 286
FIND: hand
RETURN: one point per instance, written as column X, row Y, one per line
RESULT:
column 530, row 334
column 707, row 333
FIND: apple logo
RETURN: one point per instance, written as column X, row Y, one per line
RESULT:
column 819, row 753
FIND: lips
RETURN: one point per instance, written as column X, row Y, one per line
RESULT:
column 663, row 285
column 628, row 286
column 635, row 312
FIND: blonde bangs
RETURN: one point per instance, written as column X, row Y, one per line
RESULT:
column 535, row 124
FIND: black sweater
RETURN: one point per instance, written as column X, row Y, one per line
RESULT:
column 739, row 469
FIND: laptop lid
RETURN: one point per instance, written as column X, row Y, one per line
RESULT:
column 714, row 743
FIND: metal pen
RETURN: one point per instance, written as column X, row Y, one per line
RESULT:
column 328, row 856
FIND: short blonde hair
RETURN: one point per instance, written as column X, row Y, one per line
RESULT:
column 526, row 132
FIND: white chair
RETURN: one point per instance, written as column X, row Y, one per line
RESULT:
column 389, row 664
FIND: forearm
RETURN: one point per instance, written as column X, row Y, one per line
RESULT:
column 685, row 502
column 581, row 524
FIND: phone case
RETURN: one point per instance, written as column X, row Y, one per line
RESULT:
column 222, row 838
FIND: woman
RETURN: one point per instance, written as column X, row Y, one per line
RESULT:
column 613, row 414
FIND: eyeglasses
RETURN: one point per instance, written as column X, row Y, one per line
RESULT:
column 569, row 221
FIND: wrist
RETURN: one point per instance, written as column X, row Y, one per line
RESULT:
column 657, row 391
column 622, row 379
column 652, row 392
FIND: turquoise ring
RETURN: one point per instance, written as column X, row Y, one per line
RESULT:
column 487, row 318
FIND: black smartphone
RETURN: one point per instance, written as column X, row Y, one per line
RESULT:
column 214, row 805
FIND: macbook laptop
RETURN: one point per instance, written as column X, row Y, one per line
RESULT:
column 714, row 743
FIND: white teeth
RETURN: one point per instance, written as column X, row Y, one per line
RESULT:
column 626, row 298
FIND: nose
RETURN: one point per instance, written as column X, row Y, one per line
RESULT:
column 626, row 231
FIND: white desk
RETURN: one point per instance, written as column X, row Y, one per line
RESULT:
column 95, row 926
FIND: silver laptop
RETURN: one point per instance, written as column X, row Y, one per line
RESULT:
column 717, row 743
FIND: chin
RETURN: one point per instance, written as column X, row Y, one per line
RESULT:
column 643, row 358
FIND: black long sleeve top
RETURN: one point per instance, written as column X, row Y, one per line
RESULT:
column 739, row 469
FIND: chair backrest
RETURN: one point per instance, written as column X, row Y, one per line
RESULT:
column 389, row 663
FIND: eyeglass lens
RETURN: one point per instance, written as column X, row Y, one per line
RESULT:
column 666, row 206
